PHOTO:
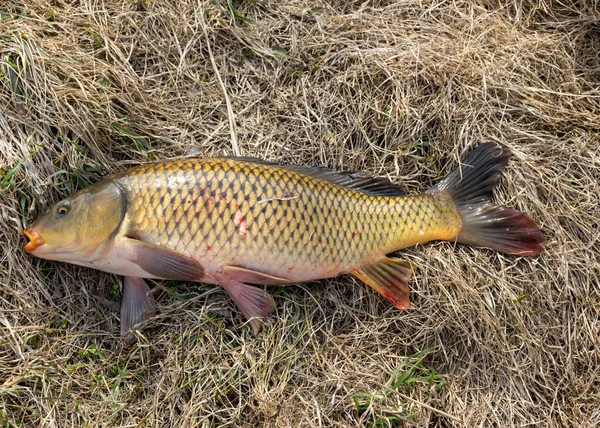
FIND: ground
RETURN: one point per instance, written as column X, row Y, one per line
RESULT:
column 401, row 90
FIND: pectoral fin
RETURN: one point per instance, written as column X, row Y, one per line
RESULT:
column 253, row 276
column 389, row 277
column 164, row 263
column 254, row 302
column 137, row 304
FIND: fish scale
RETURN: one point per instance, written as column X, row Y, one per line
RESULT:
column 262, row 217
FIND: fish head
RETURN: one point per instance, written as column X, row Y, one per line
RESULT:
column 76, row 227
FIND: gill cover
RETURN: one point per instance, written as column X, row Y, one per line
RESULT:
column 78, row 226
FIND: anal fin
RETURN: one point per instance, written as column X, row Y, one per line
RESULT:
column 389, row 277
column 253, row 276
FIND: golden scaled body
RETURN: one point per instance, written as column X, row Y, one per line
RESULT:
column 281, row 222
column 240, row 221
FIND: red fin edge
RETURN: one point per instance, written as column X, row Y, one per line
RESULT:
column 502, row 229
column 389, row 277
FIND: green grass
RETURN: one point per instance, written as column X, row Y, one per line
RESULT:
column 410, row 371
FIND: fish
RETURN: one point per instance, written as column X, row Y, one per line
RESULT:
column 242, row 223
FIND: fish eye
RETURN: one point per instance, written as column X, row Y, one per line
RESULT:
column 63, row 208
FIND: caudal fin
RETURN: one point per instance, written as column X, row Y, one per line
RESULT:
column 485, row 224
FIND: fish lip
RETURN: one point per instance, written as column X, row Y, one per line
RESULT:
column 35, row 239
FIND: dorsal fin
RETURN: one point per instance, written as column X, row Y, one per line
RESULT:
column 356, row 180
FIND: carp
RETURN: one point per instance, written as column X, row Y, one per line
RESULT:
column 236, row 221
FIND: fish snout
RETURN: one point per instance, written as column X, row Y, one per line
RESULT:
column 35, row 239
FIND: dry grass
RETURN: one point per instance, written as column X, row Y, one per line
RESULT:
column 397, row 89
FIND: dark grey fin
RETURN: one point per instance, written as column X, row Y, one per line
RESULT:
column 137, row 304
column 356, row 180
column 253, row 276
column 254, row 302
column 474, row 179
column 483, row 223
column 164, row 263
column 389, row 277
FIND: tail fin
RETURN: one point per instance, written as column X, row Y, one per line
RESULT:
column 485, row 224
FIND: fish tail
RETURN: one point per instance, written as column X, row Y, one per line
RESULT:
column 483, row 223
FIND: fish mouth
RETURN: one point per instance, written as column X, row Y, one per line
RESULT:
column 35, row 239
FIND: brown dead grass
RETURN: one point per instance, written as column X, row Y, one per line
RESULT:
column 401, row 90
